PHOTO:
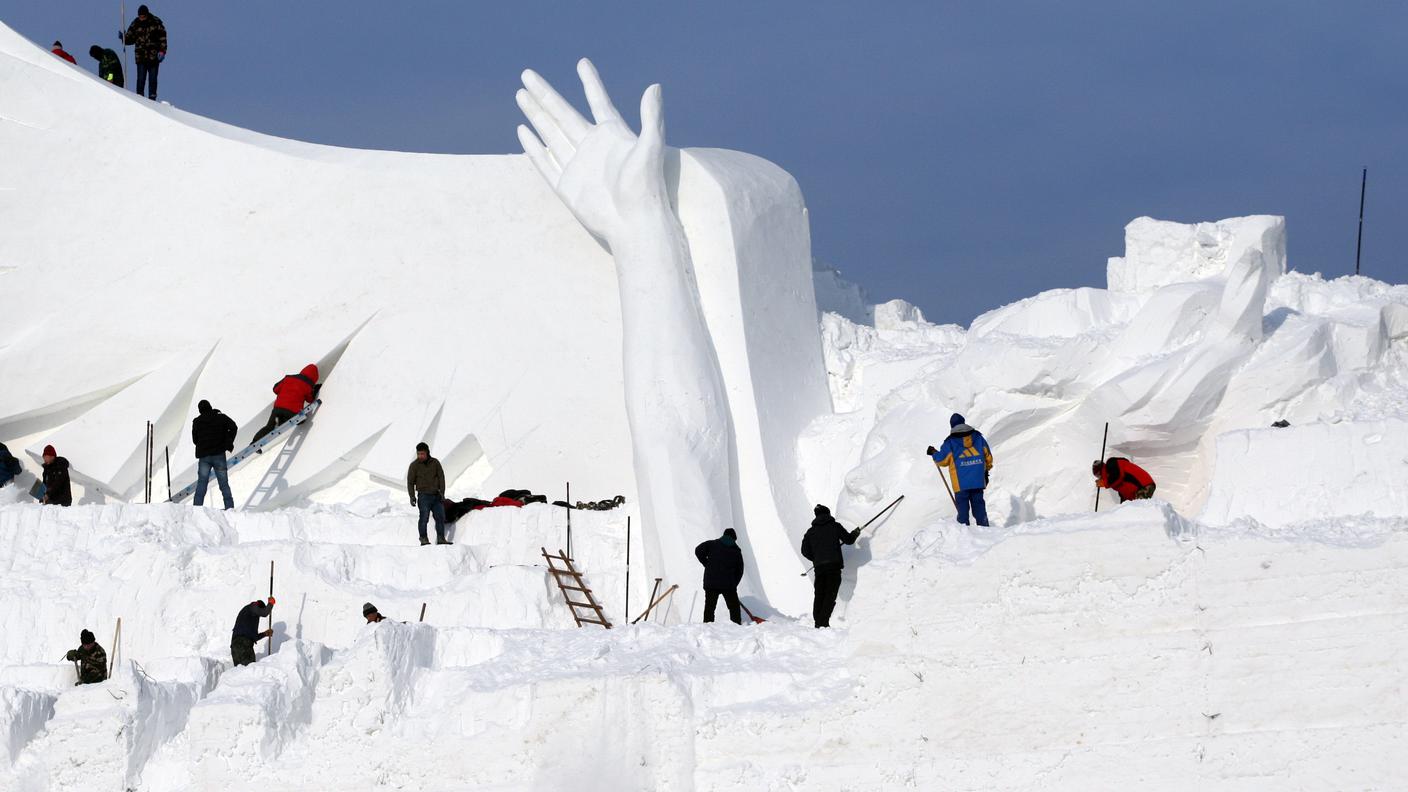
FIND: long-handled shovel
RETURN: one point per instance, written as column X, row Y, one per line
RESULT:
column 863, row 527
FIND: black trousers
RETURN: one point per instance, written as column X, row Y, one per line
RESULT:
column 711, row 599
column 147, row 72
column 828, row 585
column 276, row 417
column 241, row 650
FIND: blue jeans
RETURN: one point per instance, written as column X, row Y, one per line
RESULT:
column 205, row 466
column 429, row 503
column 145, row 72
column 975, row 498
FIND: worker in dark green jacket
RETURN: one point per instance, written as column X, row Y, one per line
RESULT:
column 109, row 65
column 425, row 483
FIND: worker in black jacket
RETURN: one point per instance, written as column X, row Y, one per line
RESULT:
column 58, row 491
column 822, row 547
column 246, row 631
column 213, row 433
column 723, row 569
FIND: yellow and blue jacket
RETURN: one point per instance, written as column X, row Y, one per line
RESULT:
column 967, row 456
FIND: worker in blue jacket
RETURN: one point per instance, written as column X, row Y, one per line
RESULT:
column 968, row 458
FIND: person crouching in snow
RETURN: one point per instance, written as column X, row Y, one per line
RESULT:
column 425, row 483
column 290, row 394
column 822, row 546
column 9, row 466
column 1127, row 479
column 371, row 614
column 246, row 631
column 58, row 49
column 58, row 491
column 723, row 570
column 92, row 660
column 968, row 458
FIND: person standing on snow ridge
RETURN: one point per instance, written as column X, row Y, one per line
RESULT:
column 723, row 570
column 58, row 491
column 147, row 35
column 371, row 614
column 59, row 50
column 92, row 660
column 213, row 433
column 822, row 546
column 109, row 65
column 246, row 631
column 9, row 466
column 425, row 483
column 1127, row 479
column 291, row 393
column 968, row 458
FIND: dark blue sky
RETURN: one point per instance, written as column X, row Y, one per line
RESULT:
column 958, row 155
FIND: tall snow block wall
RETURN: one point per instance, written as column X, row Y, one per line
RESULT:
column 451, row 299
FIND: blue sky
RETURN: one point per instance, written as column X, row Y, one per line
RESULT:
column 960, row 156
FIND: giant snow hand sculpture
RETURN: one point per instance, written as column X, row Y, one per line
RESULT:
column 613, row 181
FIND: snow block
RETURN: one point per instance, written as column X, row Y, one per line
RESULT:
column 1334, row 470
column 1160, row 252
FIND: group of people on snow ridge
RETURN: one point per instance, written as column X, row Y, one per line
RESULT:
column 964, row 457
column 147, row 36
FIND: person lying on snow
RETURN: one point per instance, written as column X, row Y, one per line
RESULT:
column 511, row 497
column 1127, row 479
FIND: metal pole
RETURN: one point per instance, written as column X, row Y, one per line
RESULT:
column 569, row 519
column 122, row 28
column 422, row 611
column 1359, row 243
column 269, row 646
column 168, row 473
column 1102, row 460
column 628, row 566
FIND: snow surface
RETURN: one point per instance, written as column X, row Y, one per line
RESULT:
column 1244, row 630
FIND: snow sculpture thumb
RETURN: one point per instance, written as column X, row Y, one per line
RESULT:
column 613, row 181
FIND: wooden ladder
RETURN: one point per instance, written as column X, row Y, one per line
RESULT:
column 588, row 612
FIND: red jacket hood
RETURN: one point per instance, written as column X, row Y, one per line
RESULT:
column 310, row 371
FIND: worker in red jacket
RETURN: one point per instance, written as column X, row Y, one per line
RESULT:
column 291, row 393
column 1127, row 479
column 59, row 50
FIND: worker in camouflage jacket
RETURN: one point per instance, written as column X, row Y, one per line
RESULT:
column 92, row 660
column 147, row 35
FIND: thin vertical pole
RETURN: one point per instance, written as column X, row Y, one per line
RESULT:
column 569, row 519
column 168, row 472
column 269, row 645
column 422, row 611
column 116, row 645
column 149, row 462
column 122, row 29
column 1359, row 243
column 1102, row 459
column 628, row 568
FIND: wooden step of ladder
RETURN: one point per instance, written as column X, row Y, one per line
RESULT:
column 568, row 579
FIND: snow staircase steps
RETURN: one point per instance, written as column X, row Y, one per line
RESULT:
column 588, row 612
